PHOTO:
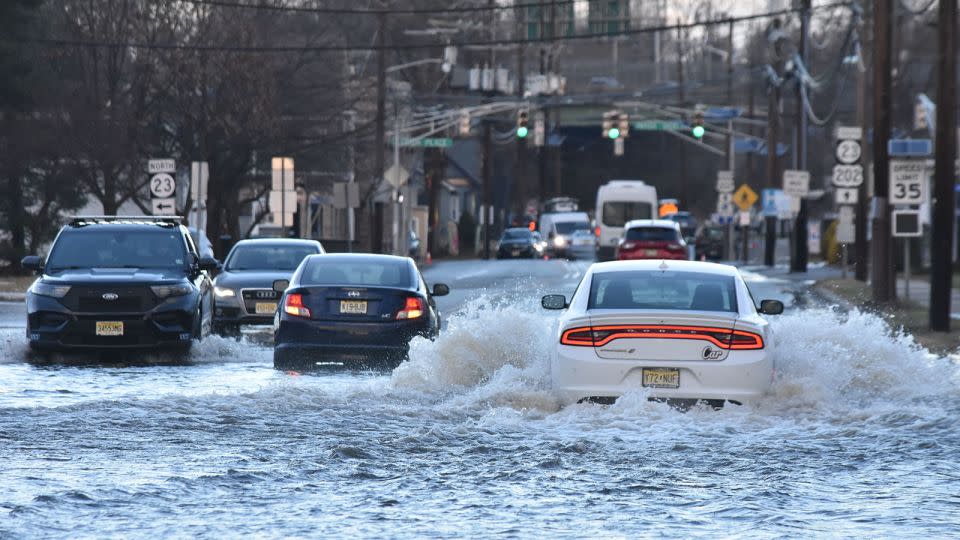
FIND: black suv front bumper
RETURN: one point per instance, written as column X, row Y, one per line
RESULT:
column 70, row 323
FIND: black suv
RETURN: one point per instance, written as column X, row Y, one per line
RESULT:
column 119, row 282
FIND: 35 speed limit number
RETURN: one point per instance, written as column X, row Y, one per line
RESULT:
column 906, row 181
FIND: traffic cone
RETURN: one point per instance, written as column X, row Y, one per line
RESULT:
column 429, row 258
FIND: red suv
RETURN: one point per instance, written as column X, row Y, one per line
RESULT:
column 652, row 239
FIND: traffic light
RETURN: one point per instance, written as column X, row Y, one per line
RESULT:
column 522, row 119
column 697, row 127
column 464, row 124
column 623, row 124
column 610, row 130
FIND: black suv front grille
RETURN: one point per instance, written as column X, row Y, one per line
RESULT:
column 107, row 299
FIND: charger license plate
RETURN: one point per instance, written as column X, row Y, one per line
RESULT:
column 109, row 328
column 355, row 307
column 265, row 308
column 661, row 378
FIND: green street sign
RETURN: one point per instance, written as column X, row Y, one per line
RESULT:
column 657, row 125
column 428, row 142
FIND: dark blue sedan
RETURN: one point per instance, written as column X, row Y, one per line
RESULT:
column 354, row 310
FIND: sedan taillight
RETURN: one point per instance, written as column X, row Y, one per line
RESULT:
column 293, row 305
column 412, row 309
column 598, row 336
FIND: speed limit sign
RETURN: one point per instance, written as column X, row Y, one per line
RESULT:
column 848, row 151
column 162, row 186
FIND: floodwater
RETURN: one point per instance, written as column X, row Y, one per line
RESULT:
column 859, row 437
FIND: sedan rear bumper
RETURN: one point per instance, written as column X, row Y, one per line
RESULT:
column 578, row 374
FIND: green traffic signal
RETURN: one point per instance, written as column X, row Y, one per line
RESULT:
column 698, row 132
column 614, row 133
column 522, row 132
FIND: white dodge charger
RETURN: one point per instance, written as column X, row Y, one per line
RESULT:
column 686, row 331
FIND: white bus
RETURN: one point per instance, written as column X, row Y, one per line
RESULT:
column 620, row 201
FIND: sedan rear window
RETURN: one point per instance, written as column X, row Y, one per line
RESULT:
column 654, row 289
column 259, row 257
column 652, row 234
column 328, row 270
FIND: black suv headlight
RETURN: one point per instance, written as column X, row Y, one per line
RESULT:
column 168, row 291
column 48, row 289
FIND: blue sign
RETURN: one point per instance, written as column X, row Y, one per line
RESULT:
column 909, row 147
column 769, row 199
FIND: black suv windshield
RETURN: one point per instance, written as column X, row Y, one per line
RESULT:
column 517, row 234
column 268, row 257
column 103, row 248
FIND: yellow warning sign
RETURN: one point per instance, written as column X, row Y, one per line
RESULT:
column 745, row 197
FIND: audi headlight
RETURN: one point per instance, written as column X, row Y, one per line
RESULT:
column 224, row 292
column 559, row 241
column 168, row 291
column 48, row 289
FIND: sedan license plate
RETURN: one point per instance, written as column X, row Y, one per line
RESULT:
column 661, row 378
column 355, row 307
column 265, row 308
column 650, row 252
column 516, row 252
column 109, row 328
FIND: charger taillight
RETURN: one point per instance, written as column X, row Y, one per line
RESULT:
column 293, row 305
column 724, row 338
column 412, row 309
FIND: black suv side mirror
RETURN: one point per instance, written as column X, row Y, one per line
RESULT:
column 208, row 263
column 33, row 263
column 554, row 301
column 440, row 289
column 771, row 307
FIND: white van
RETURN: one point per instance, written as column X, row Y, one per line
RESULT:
column 620, row 201
column 558, row 228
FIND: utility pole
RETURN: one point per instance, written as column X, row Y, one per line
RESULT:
column 773, row 134
column 730, row 244
column 542, row 150
column 860, row 224
column 487, row 158
column 680, row 89
column 798, row 260
column 376, row 224
column 883, row 272
column 520, row 190
column 745, row 230
column 941, row 270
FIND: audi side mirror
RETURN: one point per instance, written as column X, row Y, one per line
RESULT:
column 440, row 289
column 554, row 301
column 281, row 285
column 771, row 307
column 33, row 263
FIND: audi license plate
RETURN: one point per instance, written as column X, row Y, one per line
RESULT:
column 661, row 378
column 356, row 307
column 265, row 308
column 109, row 328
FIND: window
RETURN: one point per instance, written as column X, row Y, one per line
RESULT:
column 616, row 214
column 569, row 227
column 102, row 248
column 654, row 289
column 328, row 270
column 517, row 234
column 260, row 257
column 652, row 234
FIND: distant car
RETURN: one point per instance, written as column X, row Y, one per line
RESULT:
column 356, row 310
column 681, row 330
column 243, row 291
column 652, row 239
column 709, row 242
column 583, row 244
column 687, row 222
column 119, row 283
column 519, row 243
column 558, row 228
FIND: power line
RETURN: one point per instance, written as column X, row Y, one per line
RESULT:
column 371, row 11
column 62, row 42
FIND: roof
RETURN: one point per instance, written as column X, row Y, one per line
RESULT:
column 277, row 241
column 658, row 264
column 666, row 223
column 361, row 257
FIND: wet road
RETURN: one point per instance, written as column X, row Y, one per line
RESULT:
column 859, row 436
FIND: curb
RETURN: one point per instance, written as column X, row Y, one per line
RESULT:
column 12, row 297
